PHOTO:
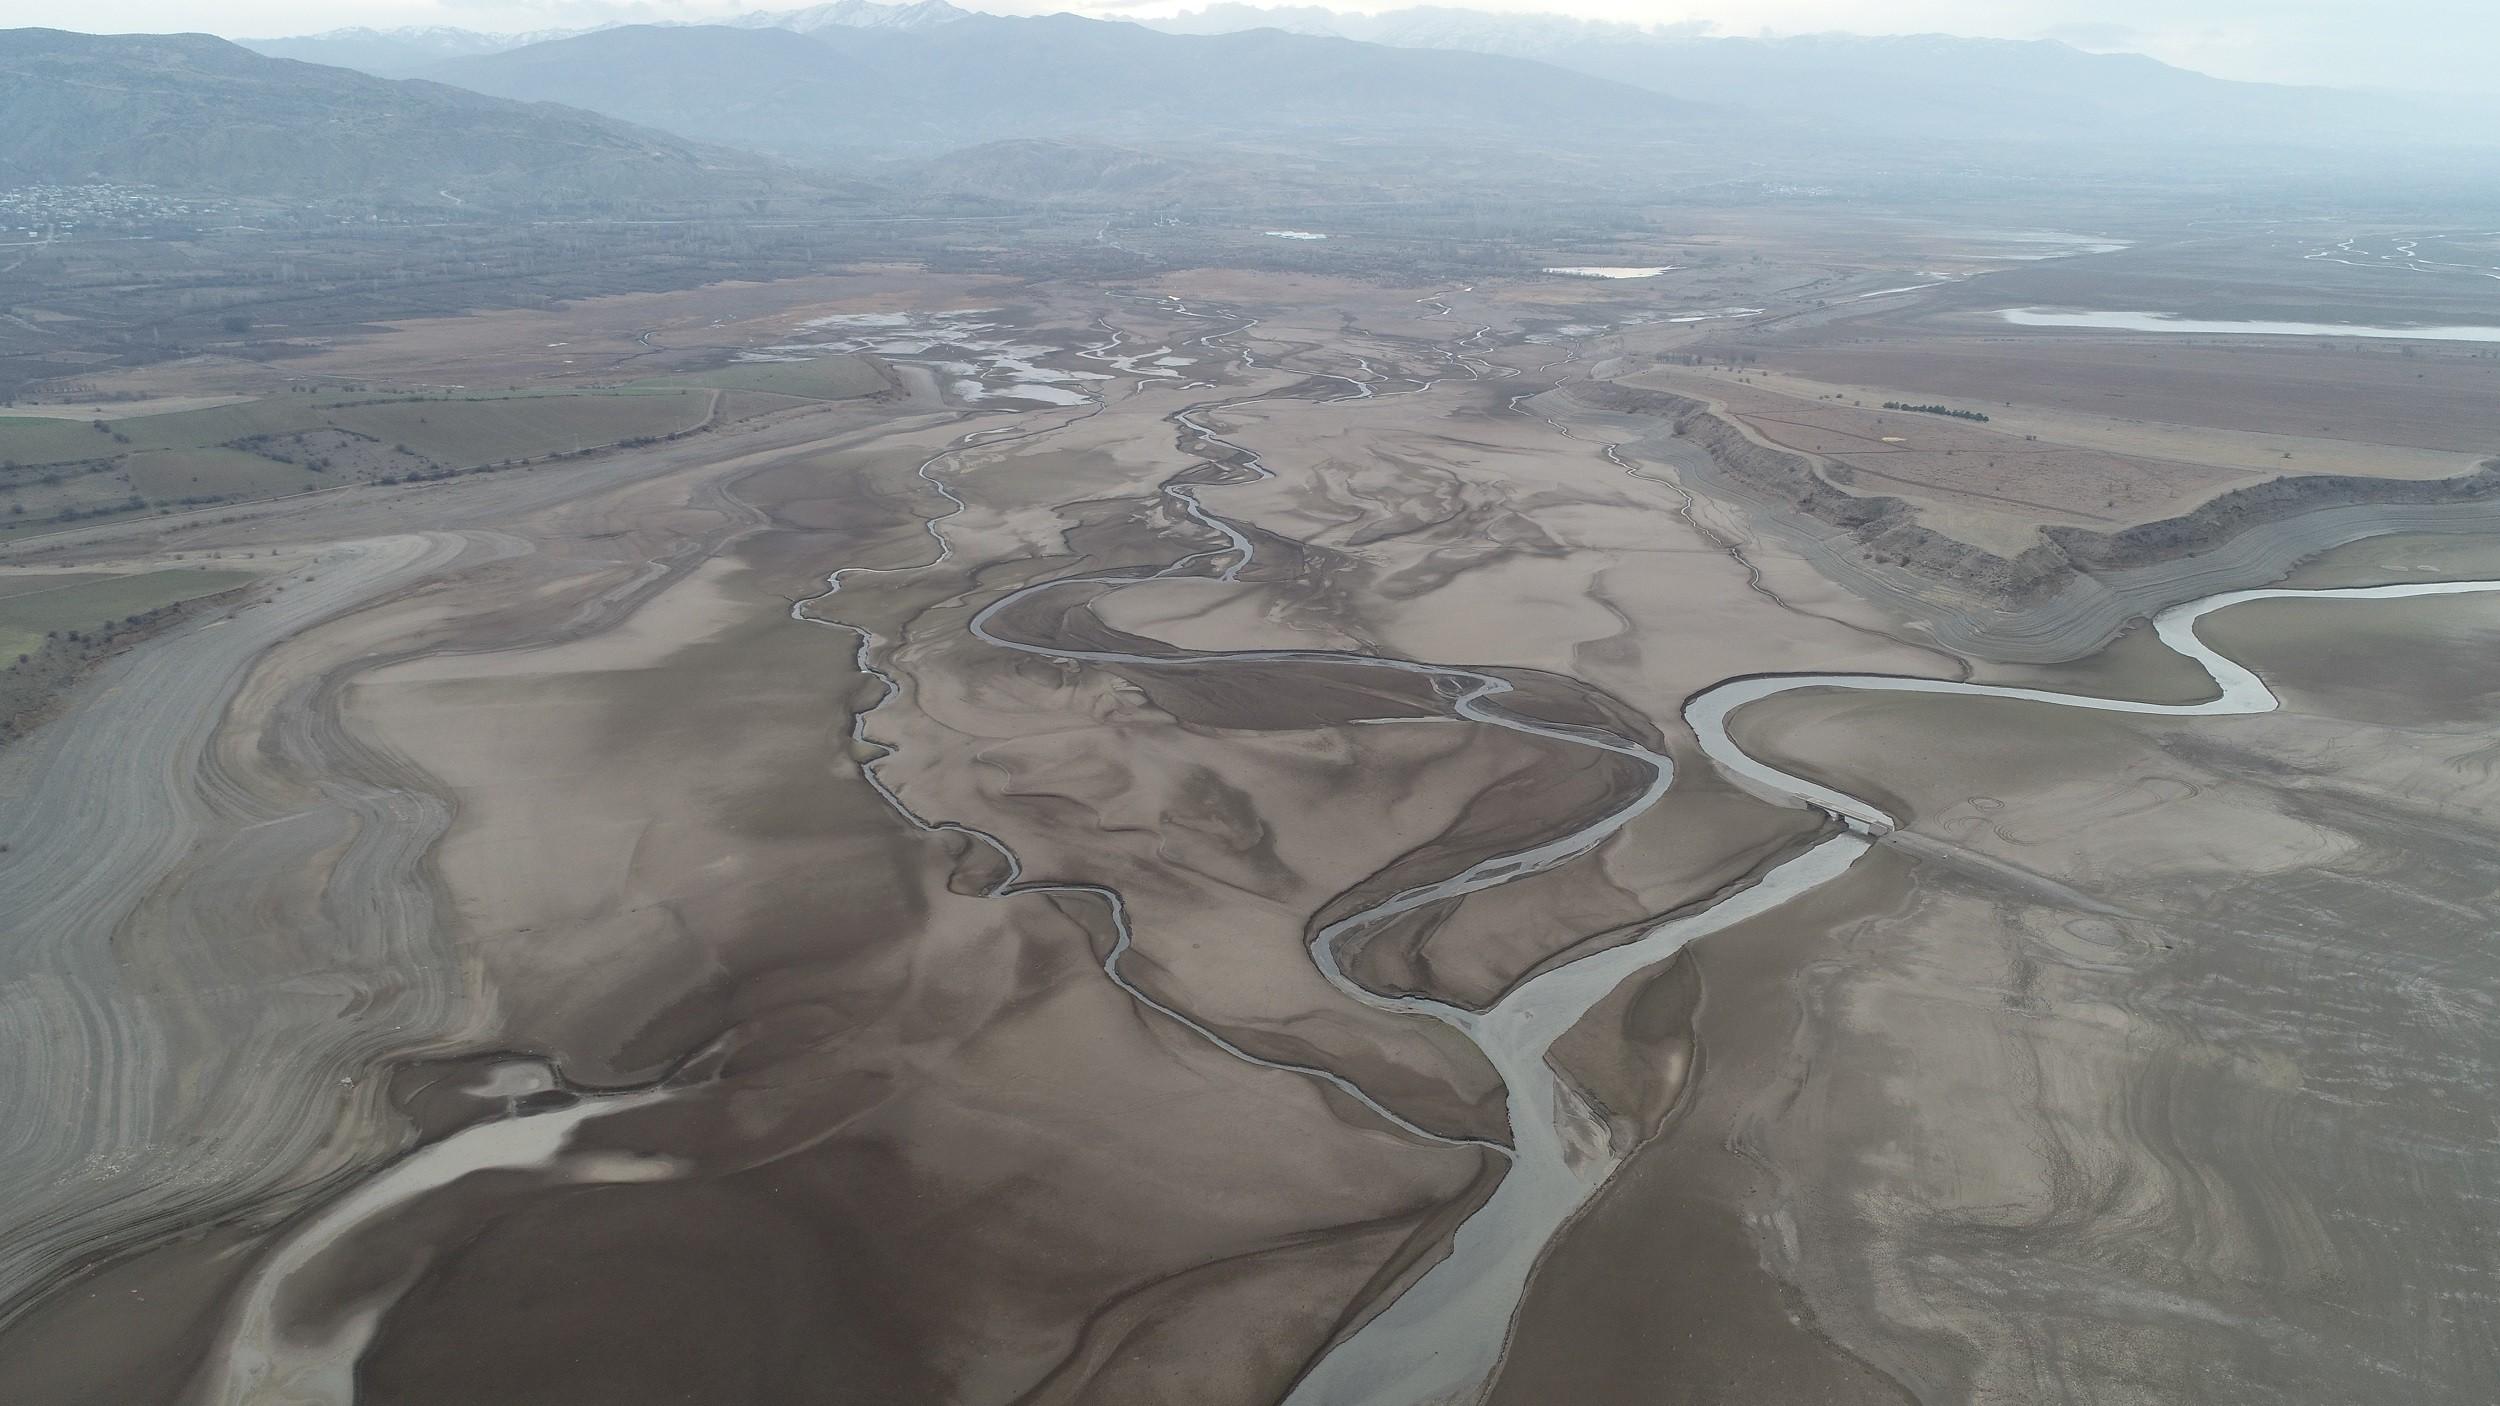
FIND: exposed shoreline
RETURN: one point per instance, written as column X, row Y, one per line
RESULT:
column 2075, row 591
column 1432, row 1314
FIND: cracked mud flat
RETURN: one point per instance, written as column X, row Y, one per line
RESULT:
column 1185, row 896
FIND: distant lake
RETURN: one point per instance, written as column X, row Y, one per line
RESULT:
column 1604, row 271
column 2163, row 322
column 2032, row 246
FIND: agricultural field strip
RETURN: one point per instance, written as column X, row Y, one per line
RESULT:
column 90, row 601
column 32, row 442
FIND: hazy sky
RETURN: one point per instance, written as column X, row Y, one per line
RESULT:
column 2429, row 44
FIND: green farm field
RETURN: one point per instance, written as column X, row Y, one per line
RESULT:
column 54, row 472
column 825, row 378
column 464, row 433
column 31, row 607
column 461, row 431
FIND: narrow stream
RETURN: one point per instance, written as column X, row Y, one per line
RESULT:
column 1442, row 1339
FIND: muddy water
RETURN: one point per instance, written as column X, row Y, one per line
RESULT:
column 2164, row 322
column 1442, row 1340
column 269, row 1353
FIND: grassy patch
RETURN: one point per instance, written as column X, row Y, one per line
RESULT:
column 28, row 504
column 826, row 378
column 172, row 475
column 462, row 431
column 746, row 405
column 220, row 424
column 35, row 582
column 90, row 603
column 29, row 441
column 467, row 433
column 56, row 473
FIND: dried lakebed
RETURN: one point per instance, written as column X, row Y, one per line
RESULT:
column 1445, row 1336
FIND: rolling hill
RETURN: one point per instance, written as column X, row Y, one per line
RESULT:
column 195, row 113
column 851, row 90
column 395, row 53
column 400, row 53
column 1916, row 87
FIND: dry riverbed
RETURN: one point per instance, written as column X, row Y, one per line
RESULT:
column 827, row 911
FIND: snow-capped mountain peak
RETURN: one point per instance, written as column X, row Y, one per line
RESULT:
column 853, row 14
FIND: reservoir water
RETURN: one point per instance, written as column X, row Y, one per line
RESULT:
column 2164, row 322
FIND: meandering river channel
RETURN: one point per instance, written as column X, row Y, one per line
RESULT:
column 1442, row 1339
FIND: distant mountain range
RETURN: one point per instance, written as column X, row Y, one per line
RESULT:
column 190, row 112
column 926, row 101
column 850, row 89
column 395, row 53
column 1529, row 35
column 1924, row 87
column 853, row 14
column 403, row 53
column 965, row 82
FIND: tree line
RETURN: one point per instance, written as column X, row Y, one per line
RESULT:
column 1971, row 415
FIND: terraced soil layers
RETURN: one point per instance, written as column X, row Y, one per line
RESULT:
column 2074, row 591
